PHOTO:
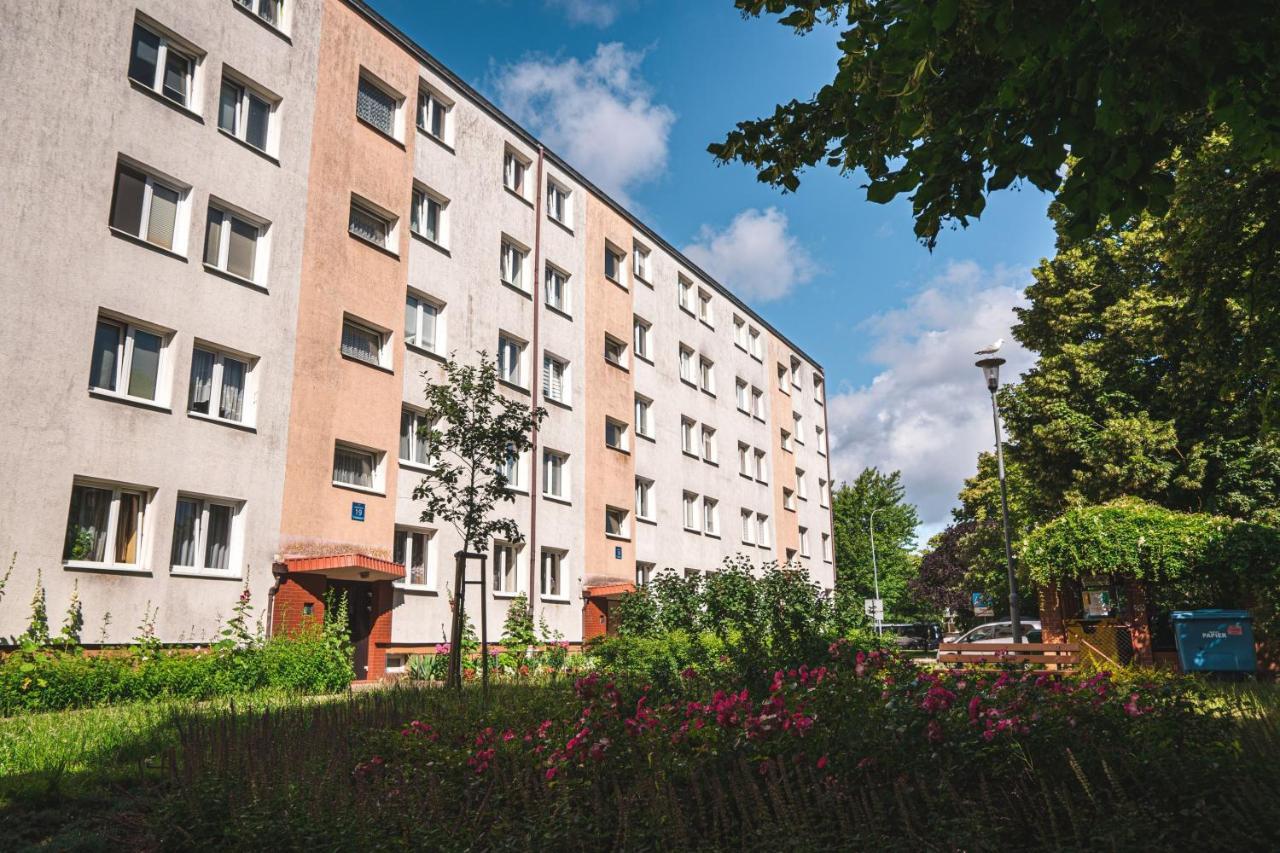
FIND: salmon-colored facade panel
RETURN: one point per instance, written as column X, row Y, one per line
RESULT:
column 786, row 524
column 337, row 398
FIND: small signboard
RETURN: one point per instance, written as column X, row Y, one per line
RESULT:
column 357, row 511
column 982, row 605
column 617, row 552
column 874, row 608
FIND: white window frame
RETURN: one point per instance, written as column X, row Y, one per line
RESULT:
column 619, row 258
column 688, row 437
column 707, row 445
column 819, row 435
column 823, row 501
column 684, row 293
column 796, row 375
column 802, row 491
column 383, row 336
column 515, row 172
column 644, row 416
column 687, row 374
column 744, row 460
column 514, row 557
column 742, row 395
column 798, row 422
column 621, row 431
column 427, row 97
column 690, row 512
column 706, row 312
column 127, row 333
column 555, row 188
column 646, row 509
column 561, row 462
column 764, row 537
column 234, row 537
column 145, row 496
column 514, row 470
column 182, row 208
column 786, row 441
column 711, row 517
column 756, row 345
column 261, row 241
column 762, row 466
column 168, row 42
column 640, row 263
column 740, row 333
column 423, row 198
column 221, row 355
column 645, row 572
column 397, row 106
column 404, row 536
column 419, row 421
column 557, row 558
column 619, row 349
column 642, row 338
column 423, row 303
column 826, row 547
column 377, row 472
column 804, row 542
column 623, row 523
column 788, row 499
column 819, row 386
column 554, row 275
column 513, row 260
column 240, row 124
column 757, row 403
column 748, row 531
column 506, row 344
column 707, row 375
column 549, row 361
column 276, row 17
column 387, row 221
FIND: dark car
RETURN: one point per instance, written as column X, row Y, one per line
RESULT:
column 915, row 636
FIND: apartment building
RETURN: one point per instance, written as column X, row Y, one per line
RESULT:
column 288, row 214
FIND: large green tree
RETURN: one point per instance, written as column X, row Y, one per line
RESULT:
column 947, row 100
column 1159, row 352
column 895, row 538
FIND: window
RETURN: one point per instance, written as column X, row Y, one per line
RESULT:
column 708, row 444
column 804, row 542
column 202, row 534
column 744, row 459
column 615, row 434
column 429, row 216
column 552, row 584
column 557, row 289
column 376, row 107
column 817, row 389
column 128, row 361
column 271, row 11
column 433, row 115
column 688, row 440
column 743, row 396
column 423, row 323
column 757, row 403
column 513, row 172
column 822, row 493
column 231, row 243
column 558, row 203
column 362, row 342
column 710, row 517
column 644, row 416
column 782, row 379
column 149, row 208
column 555, row 378
column 554, row 474
column 219, row 386
column 826, row 547
column 613, row 261
column 684, row 293
column 762, row 530
column 788, row 498
column 690, row 505
column 644, row 499
column 740, row 332
column 369, row 225
column 511, row 264
column 615, row 351
column 506, row 572
column 415, row 443
column 795, row 374
column 354, row 466
column 802, row 491
column 412, row 549
column 818, row 436
column 640, row 262
column 748, row 527
column 707, row 375
column 245, row 113
column 105, row 524
column 686, row 364
column 756, row 347
column 644, row 573
column 786, row 440
column 762, row 470
column 704, row 308
column 513, row 470
column 615, row 523
column 510, row 360
column 161, row 66
column 798, row 420
column 642, row 335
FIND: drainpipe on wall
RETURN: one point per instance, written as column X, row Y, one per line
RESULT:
column 536, row 386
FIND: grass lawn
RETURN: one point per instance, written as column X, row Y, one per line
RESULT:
column 147, row 775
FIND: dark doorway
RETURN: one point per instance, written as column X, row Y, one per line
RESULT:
column 359, row 620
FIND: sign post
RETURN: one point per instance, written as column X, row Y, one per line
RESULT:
column 874, row 609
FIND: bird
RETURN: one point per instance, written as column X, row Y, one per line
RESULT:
column 993, row 349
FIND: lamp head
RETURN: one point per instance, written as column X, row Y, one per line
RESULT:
column 991, row 372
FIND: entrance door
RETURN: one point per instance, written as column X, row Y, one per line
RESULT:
column 359, row 620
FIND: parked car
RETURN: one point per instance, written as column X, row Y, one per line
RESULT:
column 1001, row 632
column 915, row 636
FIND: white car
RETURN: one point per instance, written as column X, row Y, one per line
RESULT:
column 1001, row 632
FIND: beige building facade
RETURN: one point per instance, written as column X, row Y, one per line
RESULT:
column 290, row 214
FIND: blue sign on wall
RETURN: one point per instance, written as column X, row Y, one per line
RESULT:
column 357, row 511
column 617, row 552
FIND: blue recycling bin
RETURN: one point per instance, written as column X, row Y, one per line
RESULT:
column 1214, row 640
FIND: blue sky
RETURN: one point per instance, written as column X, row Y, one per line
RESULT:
column 632, row 91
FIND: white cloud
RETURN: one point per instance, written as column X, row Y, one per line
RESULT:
column 596, row 13
column 599, row 114
column 755, row 256
column 927, row 412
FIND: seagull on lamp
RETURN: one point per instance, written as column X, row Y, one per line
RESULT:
column 993, row 349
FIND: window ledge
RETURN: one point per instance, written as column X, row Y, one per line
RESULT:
column 437, row 140
column 650, row 521
column 563, row 225
column 760, row 419
column 558, row 403
column 114, row 568
column 414, row 466
column 711, row 462
column 688, row 311
column 421, row 350
column 758, row 358
column 513, row 386
column 361, row 489
column 693, row 530
column 250, row 428
column 619, row 283
column 517, row 195
column 621, row 450
column 688, row 382
column 131, row 401
column 617, row 537
column 518, row 490
column 270, row 158
column 369, row 364
column 646, row 359
column 423, row 238
column 619, row 365
column 555, row 599
column 238, row 279
column 382, row 133
column 497, row 593
column 708, row 324
column 647, row 437
column 712, row 535
column 563, row 313
column 747, row 477
column 711, row 394
column 181, row 109
column 557, row 499
column 146, row 244
column 642, row 280
column 262, row 23
column 206, row 574
column 416, row 588
column 690, row 454
column 383, row 249
column 517, row 288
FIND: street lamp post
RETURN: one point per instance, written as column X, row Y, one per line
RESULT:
column 991, row 371
column 875, row 571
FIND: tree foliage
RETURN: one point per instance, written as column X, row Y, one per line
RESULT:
column 895, row 536
column 948, row 100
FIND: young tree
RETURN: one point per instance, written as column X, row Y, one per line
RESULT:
column 947, row 100
column 471, row 430
column 895, row 537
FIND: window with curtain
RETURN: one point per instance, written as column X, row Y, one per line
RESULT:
column 641, row 334
column 512, row 265
column 433, row 115
column 370, row 226
column 748, row 527
column 690, row 505
column 361, row 343
column 557, row 289
column 644, row 416
column 615, row 351
column 686, row 364
column 505, row 572
column 513, row 169
column 512, row 469
column 421, row 323
column 126, row 359
column 146, row 207
column 644, row 498
column 415, row 447
column 354, row 467
column 202, row 534
column 640, row 262
column 762, row 530
column 104, row 524
column 413, row 551
column 552, row 562
column 707, row 375
column 216, row 376
column 554, row 376
column 684, row 293
column 557, row 203
column 613, row 260
column 161, row 66
column 427, row 216
column 244, row 113
column 509, row 354
column 708, row 444
column 688, row 438
column 615, row 434
column 762, row 471
column 553, row 473
column 615, row 522
column 271, row 11
column 375, row 106
column 231, row 243
column 711, row 517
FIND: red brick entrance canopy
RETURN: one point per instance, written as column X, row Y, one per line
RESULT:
column 355, row 567
column 609, row 590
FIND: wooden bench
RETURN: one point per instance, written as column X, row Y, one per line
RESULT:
column 1034, row 658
